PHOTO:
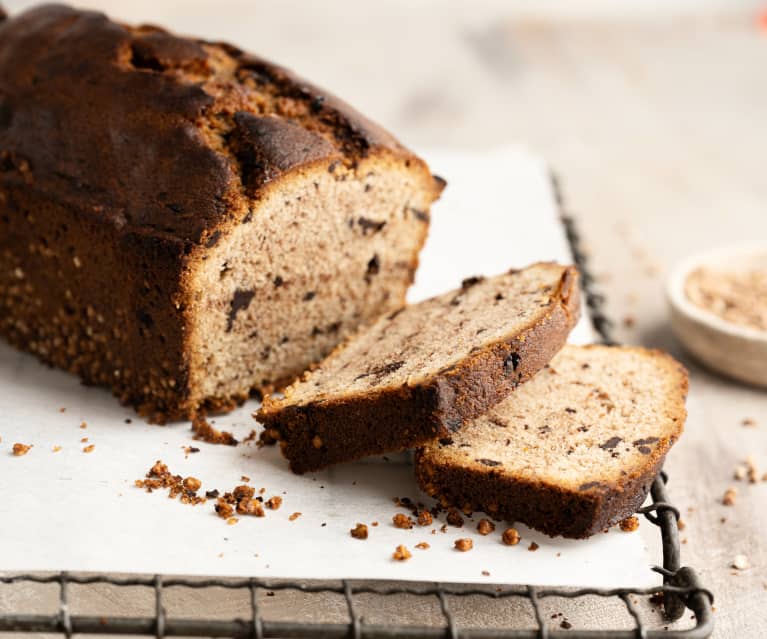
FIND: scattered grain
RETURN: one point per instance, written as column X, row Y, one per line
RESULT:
column 464, row 544
column 401, row 553
column 360, row 531
column 510, row 537
column 21, row 449
column 204, row 431
column 630, row 524
column 485, row 526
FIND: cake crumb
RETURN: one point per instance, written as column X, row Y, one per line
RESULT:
column 485, row 573
column 485, row 526
column 464, row 544
column 83, row 425
column 374, row 523
column 274, row 503
column 251, row 507
column 203, row 431
column 533, row 546
column 243, row 492
column 630, row 524
column 402, row 521
column 244, row 478
column 454, row 518
column 294, row 516
column 89, row 448
column 424, row 518
column 681, row 525
column 224, row 510
column 422, row 546
column 740, row 562
column 20, row 450
column 510, row 537
column 748, row 422
column 360, row 531
column 56, row 449
column 232, row 521
column 401, row 553
column 192, row 483
column 730, row 496
column 84, row 440
column 158, row 476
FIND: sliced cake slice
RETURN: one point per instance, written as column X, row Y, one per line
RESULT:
column 418, row 373
column 573, row 451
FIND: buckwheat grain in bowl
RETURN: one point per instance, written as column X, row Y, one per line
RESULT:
column 737, row 296
column 718, row 303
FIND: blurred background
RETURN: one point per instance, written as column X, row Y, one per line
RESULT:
column 653, row 115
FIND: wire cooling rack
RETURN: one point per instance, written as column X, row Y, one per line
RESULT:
column 681, row 589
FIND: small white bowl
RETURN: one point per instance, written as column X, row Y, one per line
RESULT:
column 737, row 351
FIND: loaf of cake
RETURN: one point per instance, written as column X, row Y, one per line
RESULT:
column 571, row 452
column 420, row 372
column 183, row 222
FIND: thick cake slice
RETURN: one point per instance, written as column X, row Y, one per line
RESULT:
column 184, row 222
column 573, row 451
column 418, row 373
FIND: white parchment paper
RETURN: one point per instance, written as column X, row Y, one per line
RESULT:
column 71, row 510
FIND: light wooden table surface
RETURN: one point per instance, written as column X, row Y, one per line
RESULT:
column 657, row 128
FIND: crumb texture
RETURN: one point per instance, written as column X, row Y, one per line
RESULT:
column 417, row 373
column 408, row 347
column 571, row 451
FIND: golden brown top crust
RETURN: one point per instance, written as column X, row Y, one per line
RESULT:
column 157, row 134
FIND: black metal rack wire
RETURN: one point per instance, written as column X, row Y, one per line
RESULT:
column 681, row 589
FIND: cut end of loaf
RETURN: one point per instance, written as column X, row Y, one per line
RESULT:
column 328, row 250
column 573, row 451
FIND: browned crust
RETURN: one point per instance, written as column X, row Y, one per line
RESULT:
column 314, row 436
column 131, row 160
column 552, row 509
